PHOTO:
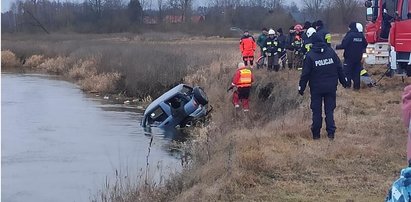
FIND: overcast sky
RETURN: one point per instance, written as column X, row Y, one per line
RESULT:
column 5, row 4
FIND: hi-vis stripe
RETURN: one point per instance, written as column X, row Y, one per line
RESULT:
column 363, row 72
column 328, row 38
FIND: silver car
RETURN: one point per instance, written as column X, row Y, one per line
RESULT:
column 178, row 107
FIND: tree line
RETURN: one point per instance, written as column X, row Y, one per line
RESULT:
column 107, row 16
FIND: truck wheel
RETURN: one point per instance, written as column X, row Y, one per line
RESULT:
column 200, row 95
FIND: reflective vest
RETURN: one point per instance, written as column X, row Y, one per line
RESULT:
column 245, row 78
column 363, row 72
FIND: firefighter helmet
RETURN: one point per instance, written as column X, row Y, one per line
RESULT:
column 310, row 32
column 359, row 27
column 271, row 32
column 298, row 28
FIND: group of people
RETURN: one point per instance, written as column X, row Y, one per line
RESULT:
column 308, row 47
column 277, row 47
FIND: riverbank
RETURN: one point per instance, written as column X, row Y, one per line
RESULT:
column 268, row 154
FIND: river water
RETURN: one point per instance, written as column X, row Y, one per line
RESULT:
column 59, row 144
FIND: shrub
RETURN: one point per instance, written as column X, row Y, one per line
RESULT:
column 57, row 65
column 8, row 59
column 34, row 61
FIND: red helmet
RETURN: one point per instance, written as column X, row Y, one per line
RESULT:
column 298, row 28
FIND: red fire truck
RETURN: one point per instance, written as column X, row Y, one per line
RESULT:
column 389, row 34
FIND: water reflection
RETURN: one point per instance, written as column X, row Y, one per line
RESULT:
column 59, row 144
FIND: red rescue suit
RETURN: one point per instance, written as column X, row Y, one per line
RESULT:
column 247, row 48
column 243, row 78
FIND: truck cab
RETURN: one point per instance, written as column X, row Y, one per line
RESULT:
column 396, row 16
column 377, row 51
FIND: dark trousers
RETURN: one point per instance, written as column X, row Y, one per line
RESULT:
column 248, row 58
column 241, row 95
column 352, row 71
column 317, row 99
column 273, row 63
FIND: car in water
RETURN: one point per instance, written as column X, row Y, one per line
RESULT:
column 178, row 107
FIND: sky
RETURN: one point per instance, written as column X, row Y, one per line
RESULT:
column 5, row 4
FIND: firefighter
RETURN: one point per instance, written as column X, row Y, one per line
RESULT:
column 261, row 39
column 242, row 80
column 322, row 70
column 281, row 44
column 271, row 50
column 290, row 46
column 354, row 44
column 298, row 47
column 322, row 32
column 247, row 48
column 366, row 78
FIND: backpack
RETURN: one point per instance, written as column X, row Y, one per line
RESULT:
column 401, row 189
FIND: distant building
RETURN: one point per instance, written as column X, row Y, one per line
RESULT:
column 173, row 19
column 197, row 19
column 150, row 20
column 176, row 19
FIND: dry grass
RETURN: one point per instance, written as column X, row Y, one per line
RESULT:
column 268, row 154
column 148, row 64
column 8, row 59
column 34, row 61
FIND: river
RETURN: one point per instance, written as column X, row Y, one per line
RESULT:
column 60, row 144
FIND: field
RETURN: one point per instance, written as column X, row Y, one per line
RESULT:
column 266, row 155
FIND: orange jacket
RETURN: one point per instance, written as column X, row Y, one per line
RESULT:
column 243, row 77
column 247, row 46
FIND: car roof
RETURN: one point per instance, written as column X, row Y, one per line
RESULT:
column 167, row 95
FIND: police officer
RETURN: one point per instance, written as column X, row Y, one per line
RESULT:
column 353, row 44
column 271, row 49
column 322, row 32
column 322, row 69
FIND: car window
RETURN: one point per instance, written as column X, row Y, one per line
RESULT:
column 158, row 115
column 177, row 101
column 186, row 90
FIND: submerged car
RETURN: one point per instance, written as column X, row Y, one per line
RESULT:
column 178, row 107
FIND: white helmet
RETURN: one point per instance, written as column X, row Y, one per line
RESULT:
column 359, row 27
column 271, row 31
column 310, row 32
column 240, row 65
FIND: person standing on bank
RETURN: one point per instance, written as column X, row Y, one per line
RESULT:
column 354, row 44
column 322, row 70
column 247, row 48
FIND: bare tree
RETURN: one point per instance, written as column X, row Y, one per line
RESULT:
column 313, row 8
column 347, row 9
column 160, row 4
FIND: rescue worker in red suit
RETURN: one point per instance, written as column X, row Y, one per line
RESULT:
column 247, row 48
column 242, row 80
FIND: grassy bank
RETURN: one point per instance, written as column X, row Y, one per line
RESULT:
column 135, row 65
column 266, row 155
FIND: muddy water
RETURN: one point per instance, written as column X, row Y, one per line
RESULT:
column 59, row 144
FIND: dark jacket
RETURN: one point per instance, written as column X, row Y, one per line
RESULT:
column 324, row 35
column 289, row 41
column 282, row 40
column 271, row 45
column 306, row 42
column 354, row 44
column 261, row 39
column 322, row 68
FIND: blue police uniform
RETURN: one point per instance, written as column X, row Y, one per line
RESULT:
column 354, row 44
column 322, row 69
column 323, row 33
